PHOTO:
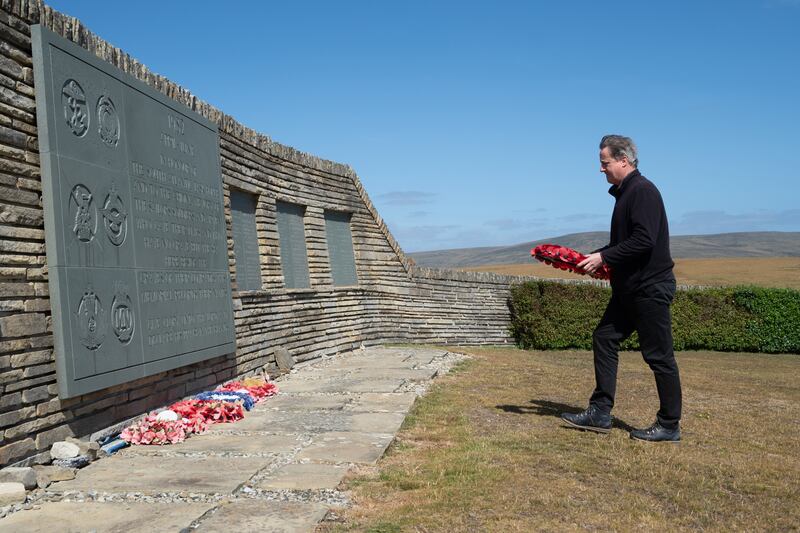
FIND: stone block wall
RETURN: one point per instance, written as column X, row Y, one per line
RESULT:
column 393, row 301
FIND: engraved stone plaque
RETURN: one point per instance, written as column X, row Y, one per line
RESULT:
column 134, row 223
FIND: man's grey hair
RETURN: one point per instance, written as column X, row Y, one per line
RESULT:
column 619, row 146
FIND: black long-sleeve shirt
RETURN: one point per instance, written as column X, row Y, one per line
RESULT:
column 638, row 253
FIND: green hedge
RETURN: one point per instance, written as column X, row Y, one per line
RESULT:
column 553, row 315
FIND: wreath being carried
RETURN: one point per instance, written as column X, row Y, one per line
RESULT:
column 565, row 258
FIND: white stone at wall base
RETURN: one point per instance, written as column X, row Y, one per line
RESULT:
column 64, row 450
column 90, row 448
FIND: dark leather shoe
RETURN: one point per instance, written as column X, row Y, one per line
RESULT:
column 657, row 433
column 592, row 419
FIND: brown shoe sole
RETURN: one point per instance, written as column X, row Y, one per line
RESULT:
column 586, row 428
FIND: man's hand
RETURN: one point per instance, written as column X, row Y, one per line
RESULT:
column 591, row 263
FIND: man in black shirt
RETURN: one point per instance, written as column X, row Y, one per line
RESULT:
column 642, row 288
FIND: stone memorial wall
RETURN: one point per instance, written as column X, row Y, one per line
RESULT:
column 136, row 248
column 50, row 318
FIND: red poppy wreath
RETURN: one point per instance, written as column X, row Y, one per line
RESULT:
column 565, row 258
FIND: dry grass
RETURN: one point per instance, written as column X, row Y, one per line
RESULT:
column 762, row 271
column 485, row 451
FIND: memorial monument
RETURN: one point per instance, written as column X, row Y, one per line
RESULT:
column 134, row 223
column 183, row 248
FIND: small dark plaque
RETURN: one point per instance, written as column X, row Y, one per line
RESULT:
column 134, row 223
column 292, row 239
column 245, row 240
column 340, row 248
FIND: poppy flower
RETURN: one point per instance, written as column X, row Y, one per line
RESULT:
column 565, row 258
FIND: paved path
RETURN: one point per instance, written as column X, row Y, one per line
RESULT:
column 276, row 470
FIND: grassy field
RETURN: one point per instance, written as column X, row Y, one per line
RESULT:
column 486, row 451
column 781, row 272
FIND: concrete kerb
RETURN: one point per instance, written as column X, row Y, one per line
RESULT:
column 291, row 462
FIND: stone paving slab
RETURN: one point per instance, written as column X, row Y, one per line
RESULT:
column 422, row 359
column 313, row 422
column 372, row 362
column 377, row 402
column 303, row 402
column 376, row 422
column 215, row 443
column 105, row 517
column 259, row 516
column 419, row 374
column 313, row 374
column 341, row 384
column 289, row 422
column 403, row 351
column 347, row 447
column 371, row 385
column 310, row 385
column 149, row 474
column 304, row 476
column 379, row 373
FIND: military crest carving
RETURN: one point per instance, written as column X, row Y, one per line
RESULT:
column 75, row 110
column 84, row 213
column 115, row 217
column 92, row 320
column 122, row 316
column 108, row 121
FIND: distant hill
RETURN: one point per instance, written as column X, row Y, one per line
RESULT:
column 746, row 244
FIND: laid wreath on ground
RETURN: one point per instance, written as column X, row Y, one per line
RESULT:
column 226, row 403
column 565, row 258
column 257, row 388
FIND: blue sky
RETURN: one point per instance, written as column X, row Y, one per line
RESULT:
column 477, row 123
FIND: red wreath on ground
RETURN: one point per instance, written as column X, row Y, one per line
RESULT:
column 258, row 390
column 565, row 258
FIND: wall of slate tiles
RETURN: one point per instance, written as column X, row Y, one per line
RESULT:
column 393, row 302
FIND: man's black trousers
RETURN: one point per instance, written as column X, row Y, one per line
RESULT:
column 647, row 312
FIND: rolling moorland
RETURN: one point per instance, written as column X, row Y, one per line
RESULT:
column 769, row 259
